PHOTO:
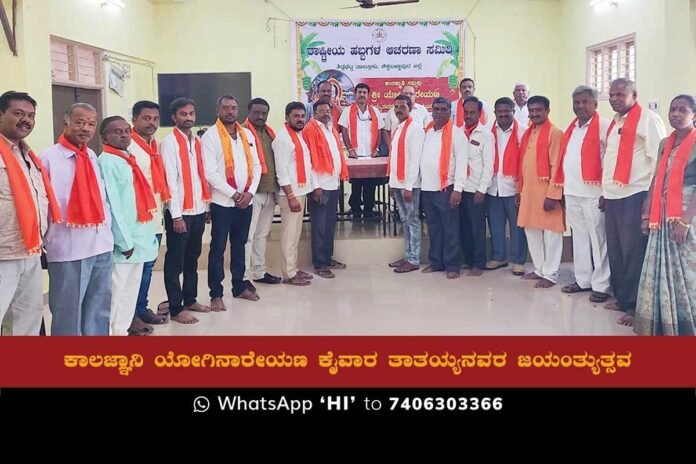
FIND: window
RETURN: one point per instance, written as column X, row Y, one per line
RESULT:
column 610, row 60
column 75, row 64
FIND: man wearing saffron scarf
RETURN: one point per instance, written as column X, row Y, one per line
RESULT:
column 404, row 182
column 144, row 146
column 541, row 213
column 580, row 175
column 265, row 199
column 296, row 179
column 472, row 214
column 633, row 139
column 443, row 168
column 187, row 212
column 419, row 114
column 467, row 88
column 233, row 171
column 326, row 91
column 360, row 125
column 79, row 251
column 501, row 201
column 24, row 206
column 329, row 166
column 132, row 203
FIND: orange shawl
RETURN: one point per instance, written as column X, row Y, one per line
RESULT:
column 627, row 135
column 319, row 150
column 590, row 154
column 401, row 152
column 159, row 179
column 374, row 127
column 144, row 199
column 85, row 206
column 186, row 170
column 676, row 180
column 27, row 210
column 445, row 151
column 228, row 153
column 259, row 145
column 511, row 155
column 542, row 150
column 299, row 156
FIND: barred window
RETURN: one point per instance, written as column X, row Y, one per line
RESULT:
column 610, row 60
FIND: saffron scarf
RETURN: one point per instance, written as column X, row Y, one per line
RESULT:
column 374, row 127
column 675, row 183
column 445, row 151
column 159, row 179
column 624, row 160
column 299, row 156
column 319, row 150
column 186, row 170
column 259, row 145
column 144, row 199
column 27, row 210
column 590, row 154
column 85, row 206
column 511, row 155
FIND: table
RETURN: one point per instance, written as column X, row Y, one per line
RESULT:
column 372, row 168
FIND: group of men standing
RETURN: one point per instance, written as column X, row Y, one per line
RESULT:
column 100, row 220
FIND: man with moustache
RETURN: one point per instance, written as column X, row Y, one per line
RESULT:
column 233, row 171
column 472, row 213
column 443, row 168
column 132, row 203
column 80, row 251
column 404, row 181
column 187, row 212
column 145, row 149
column 419, row 114
column 265, row 198
column 360, row 126
column 26, row 195
column 296, row 179
column 580, row 175
column 633, row 140
column 467, row 88
column 325, row 91
column 501, row 203
column 541, row 211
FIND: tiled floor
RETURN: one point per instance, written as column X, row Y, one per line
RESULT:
column 373, row 300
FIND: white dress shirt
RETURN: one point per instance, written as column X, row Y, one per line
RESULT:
column 413, row 150
column 214, row 162
column 572, row 161
column 430, row 161
column 330, row 181
column 419, row 113
column 649, row 132
column 286, row 163
column 502, row 186
column 481, row 159
column 175, row 179
column 364, row 129
column 522, row 114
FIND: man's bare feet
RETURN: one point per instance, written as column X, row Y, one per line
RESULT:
column 217, row 305
column 248, row 294
column 452, row 275
column 613, row 306
column 530, row 276
column 544, row 283
column 185, row 317
column 197, row 307
column 429, row 270
column 475, row 272
column 626, row 320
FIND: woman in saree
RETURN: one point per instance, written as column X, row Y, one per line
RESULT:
column 667, row 294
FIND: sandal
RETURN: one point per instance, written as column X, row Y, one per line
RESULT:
column 163, row 308
column 406, row 267
column 324, row 273
column 574, row 288
column 138, row 328
column 599, row 297
column 297, row 280
column 151, row 318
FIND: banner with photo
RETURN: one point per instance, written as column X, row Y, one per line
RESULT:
column 386, row 55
